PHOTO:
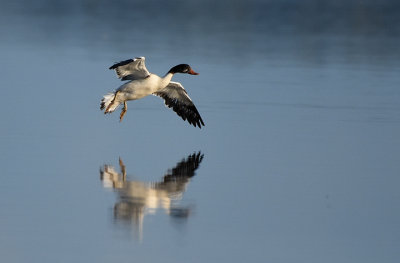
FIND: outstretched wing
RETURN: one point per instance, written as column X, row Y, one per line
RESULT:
column 175, row 97
column 131, row 69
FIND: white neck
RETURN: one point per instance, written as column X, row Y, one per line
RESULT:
column 166, row 79
column 168, row 76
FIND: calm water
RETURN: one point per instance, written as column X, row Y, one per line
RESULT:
column 298, row 162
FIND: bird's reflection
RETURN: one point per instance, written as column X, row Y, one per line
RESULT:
column 138, row 198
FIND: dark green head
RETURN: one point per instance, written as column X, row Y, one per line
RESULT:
column 182, row 68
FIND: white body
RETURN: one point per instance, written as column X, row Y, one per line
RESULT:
column 137, row 89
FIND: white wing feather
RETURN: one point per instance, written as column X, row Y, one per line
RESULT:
column 131, row 69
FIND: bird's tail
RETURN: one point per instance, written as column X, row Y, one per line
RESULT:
column 109, row 103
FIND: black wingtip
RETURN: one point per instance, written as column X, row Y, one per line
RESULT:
column 102, row 104
column 199, row 122
column 202, row 122
column 122, row 63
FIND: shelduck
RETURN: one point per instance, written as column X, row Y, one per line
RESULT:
column 142, row 83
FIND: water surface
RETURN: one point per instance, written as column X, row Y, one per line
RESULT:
column 298, row 161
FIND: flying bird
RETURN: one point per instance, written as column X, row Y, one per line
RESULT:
column 142, row 83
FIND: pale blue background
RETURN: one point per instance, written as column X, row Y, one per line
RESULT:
column 301, row 146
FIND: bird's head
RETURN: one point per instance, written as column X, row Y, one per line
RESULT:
column 182, row 68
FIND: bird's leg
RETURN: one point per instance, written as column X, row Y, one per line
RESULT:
column 124, row 109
